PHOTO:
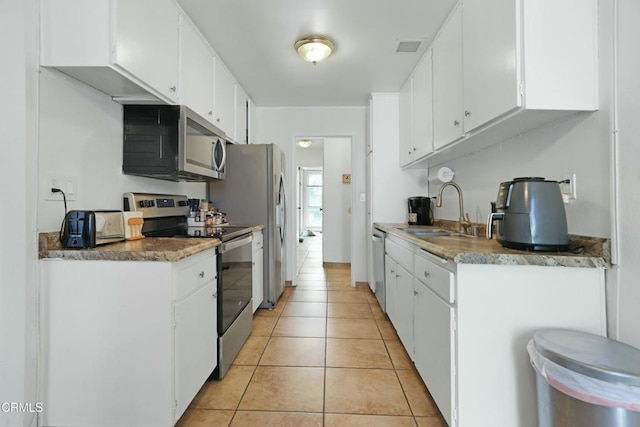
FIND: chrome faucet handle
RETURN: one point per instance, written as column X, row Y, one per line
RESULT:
column 465, row 223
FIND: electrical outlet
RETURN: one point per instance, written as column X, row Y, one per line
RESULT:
column 68, row 184
column 569, row 190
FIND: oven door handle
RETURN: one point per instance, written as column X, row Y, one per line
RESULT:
column 235, row 243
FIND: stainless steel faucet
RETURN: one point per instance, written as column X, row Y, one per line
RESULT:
column 465, row 221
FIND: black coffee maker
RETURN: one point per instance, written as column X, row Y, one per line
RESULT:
column 420, row 211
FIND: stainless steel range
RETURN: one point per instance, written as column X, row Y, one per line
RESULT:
column 165, row 215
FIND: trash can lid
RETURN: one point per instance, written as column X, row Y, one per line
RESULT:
column 591, row 355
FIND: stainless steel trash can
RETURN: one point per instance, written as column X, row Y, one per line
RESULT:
column 585, row 380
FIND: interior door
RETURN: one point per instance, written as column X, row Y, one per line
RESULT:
column 312, row 200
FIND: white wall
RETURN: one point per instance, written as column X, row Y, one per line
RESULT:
column 18, row 250
column 390, row 185
column 579, row 145
column 311, row 157
column 336, row 201
column 81, row 136
column 283, row 125
column 628, row 172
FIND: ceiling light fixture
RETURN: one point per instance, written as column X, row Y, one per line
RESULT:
column 314, row 48
column 305, row 143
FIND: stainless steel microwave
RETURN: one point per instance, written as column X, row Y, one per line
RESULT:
column 172, row 142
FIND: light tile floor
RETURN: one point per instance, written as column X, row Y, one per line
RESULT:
column 326, row 355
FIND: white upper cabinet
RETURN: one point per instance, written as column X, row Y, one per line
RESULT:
column 504, row 67
column 406, row 122
column 241, row 115
column 422, row 116
column 416, row 113
column 490, row 51
column 125, row 48
column 196, row 71
column 447, row 82
column 146, row 42
column 224, row 98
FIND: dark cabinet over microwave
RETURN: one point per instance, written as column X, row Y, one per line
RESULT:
column 172, row 142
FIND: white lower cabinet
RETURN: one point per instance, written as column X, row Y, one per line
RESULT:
column 434, row 333
column 470, row 325
column 404, row 307
column 195, row 350
column 257, row 273
column 126, row 342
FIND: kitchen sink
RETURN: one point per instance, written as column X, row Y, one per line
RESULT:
column 429, row 232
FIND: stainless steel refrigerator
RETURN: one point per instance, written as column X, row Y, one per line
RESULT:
column 253, row 192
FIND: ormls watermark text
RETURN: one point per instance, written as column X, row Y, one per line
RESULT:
column 7, row 407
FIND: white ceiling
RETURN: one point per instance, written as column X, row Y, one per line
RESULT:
column 255, row 38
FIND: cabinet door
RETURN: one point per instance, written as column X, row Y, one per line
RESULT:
column 145, row 47
column 447, row 83
column 241, row 115
column 257, row 278
column 195, row 344
column 423, row 108
column 434, row 347
column 390, row 267
column 490, row 58
column 196, row 71
column 406, row 123
column 404, row 308
column 224, row 98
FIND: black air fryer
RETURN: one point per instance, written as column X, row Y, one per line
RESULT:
column 420, row 211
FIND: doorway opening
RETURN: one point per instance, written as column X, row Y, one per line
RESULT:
column 324, row 198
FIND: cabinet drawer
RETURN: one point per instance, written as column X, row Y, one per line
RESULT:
column 438, row 279
column 400, row 254
column 194, row 273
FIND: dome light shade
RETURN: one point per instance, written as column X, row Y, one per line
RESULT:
column 314, row 49
column 305, row 143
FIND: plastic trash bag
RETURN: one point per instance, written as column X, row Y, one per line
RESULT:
column 582, row 387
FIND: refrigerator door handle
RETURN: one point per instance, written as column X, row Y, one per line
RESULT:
column 281, row 207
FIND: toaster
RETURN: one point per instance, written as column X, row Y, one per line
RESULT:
column 88, row 229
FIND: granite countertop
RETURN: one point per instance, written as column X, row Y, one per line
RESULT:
column 480, row 250
column 169, row 249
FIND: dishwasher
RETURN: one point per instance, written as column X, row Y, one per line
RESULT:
column 378, row 266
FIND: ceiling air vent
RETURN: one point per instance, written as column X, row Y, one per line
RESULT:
column 408, row 46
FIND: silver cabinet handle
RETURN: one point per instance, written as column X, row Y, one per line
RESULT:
column 215, row 295
column 467, row 113
column 218, row 120
column 173, row 88
column 201, row 274
column 426, row 274
column 415, row 292
column 415, row 149
column 456, row 123
column 210, row 113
